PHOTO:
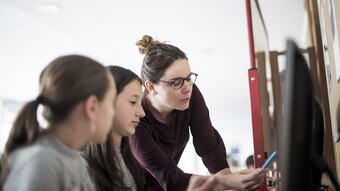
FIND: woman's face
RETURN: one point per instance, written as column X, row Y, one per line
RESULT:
column 106, row 112
column 167, row 95
column 129, row 109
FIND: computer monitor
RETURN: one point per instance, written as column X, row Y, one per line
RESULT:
column 301, row 129
column 295, row 131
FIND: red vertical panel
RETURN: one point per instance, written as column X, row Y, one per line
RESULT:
column 256, row 121
column 255, row 100
column 256, row 117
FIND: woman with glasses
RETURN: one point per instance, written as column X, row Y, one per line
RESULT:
column 173, row 104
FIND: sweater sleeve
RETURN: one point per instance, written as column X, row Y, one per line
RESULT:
column 207, row 141
column 156, row 162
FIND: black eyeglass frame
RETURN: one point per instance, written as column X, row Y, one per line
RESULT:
column 188, row 79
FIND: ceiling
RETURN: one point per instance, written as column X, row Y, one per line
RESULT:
column 212, row 33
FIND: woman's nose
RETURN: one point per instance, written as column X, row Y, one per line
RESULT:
column 186, row 86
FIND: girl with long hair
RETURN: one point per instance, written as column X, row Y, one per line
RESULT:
column 77, row 95
column 112, row 165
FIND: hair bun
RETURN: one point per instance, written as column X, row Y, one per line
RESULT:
column 146, row 43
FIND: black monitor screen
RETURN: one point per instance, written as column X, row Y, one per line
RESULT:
column 296, row 124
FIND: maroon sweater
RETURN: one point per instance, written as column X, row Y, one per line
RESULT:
column 158, row 147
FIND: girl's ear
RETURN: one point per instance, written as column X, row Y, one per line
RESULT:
column 91, row 107
column 150, row 87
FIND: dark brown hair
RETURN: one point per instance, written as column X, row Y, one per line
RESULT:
column 64, row 83
column 158, row 57
column 101, row 158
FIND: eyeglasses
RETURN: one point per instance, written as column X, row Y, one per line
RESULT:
column 177, row 83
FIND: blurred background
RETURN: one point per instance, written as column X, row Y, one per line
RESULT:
column 212, row 33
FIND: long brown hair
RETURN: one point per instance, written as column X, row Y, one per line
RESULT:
column 63, row 84
column 101, row 158
column 158, row 57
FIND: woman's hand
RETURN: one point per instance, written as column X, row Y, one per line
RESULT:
column 205, row 183
column 248, row 179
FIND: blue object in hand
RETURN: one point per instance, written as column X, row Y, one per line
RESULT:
column 269, row 160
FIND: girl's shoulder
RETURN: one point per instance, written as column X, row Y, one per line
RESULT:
column 32, row 154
